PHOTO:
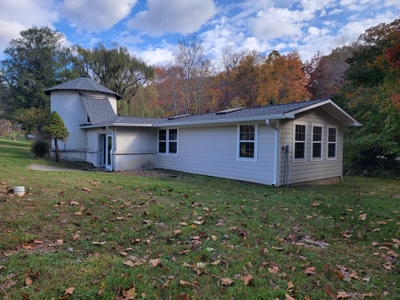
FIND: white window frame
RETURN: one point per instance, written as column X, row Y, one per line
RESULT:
column 328, row 142
column 312, row 158
column 255, row 141
column 295, row 141
column 167, row 141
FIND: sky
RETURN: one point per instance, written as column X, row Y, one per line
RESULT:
column 150, row 29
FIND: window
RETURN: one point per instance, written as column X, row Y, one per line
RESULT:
column 332, row 138
column 300, row 141
column 168, row 141
column 316, row 152
column 247, row 146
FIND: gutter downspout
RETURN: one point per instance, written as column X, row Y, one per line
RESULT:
column 267, row 121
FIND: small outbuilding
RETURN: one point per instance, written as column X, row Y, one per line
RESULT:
column 286, row 144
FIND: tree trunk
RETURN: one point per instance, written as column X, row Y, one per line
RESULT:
column 56, row 148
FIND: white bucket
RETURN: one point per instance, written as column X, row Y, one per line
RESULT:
column 19, row 191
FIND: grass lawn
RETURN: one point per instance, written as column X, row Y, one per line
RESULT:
column 171, row 235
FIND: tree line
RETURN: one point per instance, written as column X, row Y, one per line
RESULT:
column 361, row 75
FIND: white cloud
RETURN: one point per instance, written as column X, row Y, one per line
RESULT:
column 277, row 23
column 156, row 56
column 358, row 26
column 392, row 3
column 95, row 15
column 183, row 16
column 335, row 11
column 18, row 15
column 9, row 31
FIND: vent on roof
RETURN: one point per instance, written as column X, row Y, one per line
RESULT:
column 178, row 117
column 227, row 111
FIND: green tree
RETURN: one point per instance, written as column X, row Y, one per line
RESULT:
column 56, row 129
column 32, row 119
column 371, row 84
column 34, row 62
column 114, row 67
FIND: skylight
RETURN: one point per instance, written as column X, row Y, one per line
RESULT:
column 227, row 111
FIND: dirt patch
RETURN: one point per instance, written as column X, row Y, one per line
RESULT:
column 147, row 173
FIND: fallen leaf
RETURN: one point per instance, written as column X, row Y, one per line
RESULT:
column 201, row 265
column 177, row 232
column 343, row 295
column 184, row 283
column 290, row 286
column 214, row 238
column 130, row 293
column 274, row 270
column 247, row 279
column 73, row 203
column 79, row 213
column 28, row 281
column 2, row 267
column 154, row 262
column 69, row 291
column 288, row 297
column 226, row 281
column 310, row 271
column 182, row 296
column 166, row 284
column 362, row 217
column 27, row 246
column 86, row 189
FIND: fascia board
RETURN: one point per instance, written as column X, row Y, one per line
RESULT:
column 223, row 121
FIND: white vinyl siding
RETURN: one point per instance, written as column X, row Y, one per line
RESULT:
column 311, row 169
column 212, row 150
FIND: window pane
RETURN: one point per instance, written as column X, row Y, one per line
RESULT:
column 173, row 134
column 331, row 150
column 300, row 134
column 172, row 147
column 247, row 132
column 317, row 134
column 247, row 149
column 317, row 150
column 332, row 135
column 299, row 150
column 162, row 147
column 162, row 135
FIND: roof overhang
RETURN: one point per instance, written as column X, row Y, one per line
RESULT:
column 333, row 109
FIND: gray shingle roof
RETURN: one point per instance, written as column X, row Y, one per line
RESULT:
column 83, row 83
column 271, row 111
column 246, row 112
column 98, row 108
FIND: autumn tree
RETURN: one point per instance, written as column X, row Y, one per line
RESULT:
column 55, row 128
column 194, row 70
column 247, row 78
column 283, row 79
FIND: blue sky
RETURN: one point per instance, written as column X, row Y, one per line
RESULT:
column 151, row 29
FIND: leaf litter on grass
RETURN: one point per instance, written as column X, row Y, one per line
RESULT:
column 176, row 228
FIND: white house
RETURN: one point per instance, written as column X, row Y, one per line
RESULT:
column 285, row 144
